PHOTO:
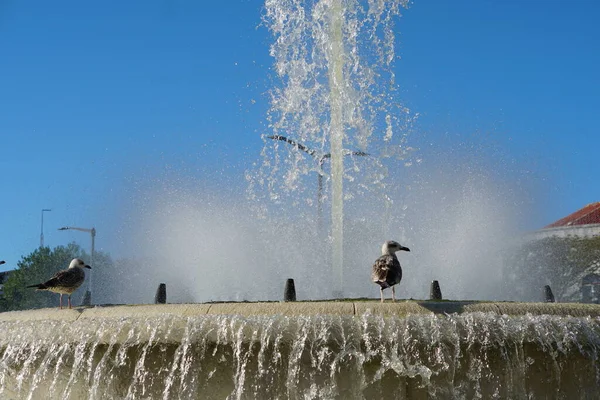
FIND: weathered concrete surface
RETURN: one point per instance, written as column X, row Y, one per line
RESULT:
column 43, row 314
column 501, row 308
column 348, row 308
column 289, row 309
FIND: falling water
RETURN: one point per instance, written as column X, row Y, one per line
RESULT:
column 337, row 98
column 468, row 356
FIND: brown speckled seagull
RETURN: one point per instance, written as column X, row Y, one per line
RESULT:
column 386, row 270
column 66, row 281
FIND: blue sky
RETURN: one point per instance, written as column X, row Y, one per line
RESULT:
column 98, row 95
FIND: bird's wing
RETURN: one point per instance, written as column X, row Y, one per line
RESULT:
column 66, row 278
column 381, row 268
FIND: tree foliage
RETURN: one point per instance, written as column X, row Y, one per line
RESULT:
column 558, row 262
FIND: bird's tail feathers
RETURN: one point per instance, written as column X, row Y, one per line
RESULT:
column 39, row 286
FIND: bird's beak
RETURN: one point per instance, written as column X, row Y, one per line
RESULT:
column 88, row 267
column 404, row 248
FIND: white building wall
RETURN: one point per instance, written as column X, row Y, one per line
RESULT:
column 588, row 230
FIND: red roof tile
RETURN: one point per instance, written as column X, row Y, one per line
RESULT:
column 589, row 214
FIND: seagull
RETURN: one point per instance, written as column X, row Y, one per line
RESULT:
column 386, row 270
column 2, row 262
column 65, row 281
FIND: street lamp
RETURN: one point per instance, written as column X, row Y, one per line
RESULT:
column 87, row 299
column 42, row 230
column 320, row 161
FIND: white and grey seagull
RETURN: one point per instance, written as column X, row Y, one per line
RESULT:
column 386, row 270
column 66, row 281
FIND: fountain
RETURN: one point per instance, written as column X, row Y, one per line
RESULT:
column 333, row 350
column 334, row 60
column 332, row 102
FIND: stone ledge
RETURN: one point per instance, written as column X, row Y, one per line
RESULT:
column 338, row 308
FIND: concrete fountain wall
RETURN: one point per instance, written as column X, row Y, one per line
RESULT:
column 345, row 349
column 347, row 308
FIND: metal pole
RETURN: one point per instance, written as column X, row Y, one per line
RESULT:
column 93, row 232
column 42, row 231
column 320, row 201
column 321, row 160
column 42, row 227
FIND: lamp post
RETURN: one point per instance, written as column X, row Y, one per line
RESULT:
column 42, row 229
column 88, row 294
column 320, row 158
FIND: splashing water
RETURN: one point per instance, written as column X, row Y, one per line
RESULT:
column 337, row 99
column 208, row 241
column 469, row 356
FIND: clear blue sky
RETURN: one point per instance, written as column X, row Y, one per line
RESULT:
column 98, row 95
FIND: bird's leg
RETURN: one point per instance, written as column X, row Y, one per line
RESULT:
column 393, row 293
column 381, row 290
column 69, row 302
column 60, row 302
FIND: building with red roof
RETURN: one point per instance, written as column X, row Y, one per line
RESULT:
column 589, row 214
column 584, row 223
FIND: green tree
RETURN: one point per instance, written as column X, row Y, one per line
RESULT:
column 34, row 268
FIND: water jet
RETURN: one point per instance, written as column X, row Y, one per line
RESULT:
column 289, row 293
column 161, row 294
column 548, row 295
column 435, row 292
column 337, row 98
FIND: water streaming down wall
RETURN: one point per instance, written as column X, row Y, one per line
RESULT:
column 461, row 356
